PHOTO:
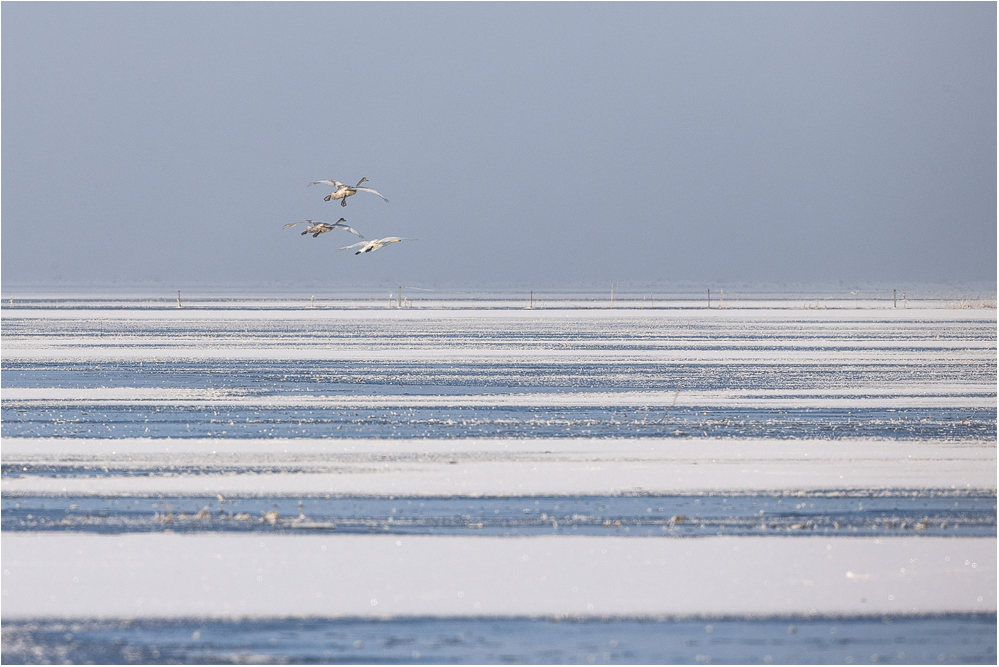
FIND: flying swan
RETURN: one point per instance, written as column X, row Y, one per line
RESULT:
column 343, row 191
column 371, row 246
column 316, row 228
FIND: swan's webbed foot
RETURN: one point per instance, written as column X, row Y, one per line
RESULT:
column 343, row 202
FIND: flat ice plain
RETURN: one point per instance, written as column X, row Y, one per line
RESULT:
column 471, row 470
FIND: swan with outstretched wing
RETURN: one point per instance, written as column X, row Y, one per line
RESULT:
column 316, row 228
column 343, row 191
column 371, row 246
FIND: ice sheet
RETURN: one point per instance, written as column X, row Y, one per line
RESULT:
column 939, row 396
column 248, row 399
column 773, row 310
column 495, row 467
column 153, row 575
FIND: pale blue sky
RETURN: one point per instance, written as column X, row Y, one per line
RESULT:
column 539, row 143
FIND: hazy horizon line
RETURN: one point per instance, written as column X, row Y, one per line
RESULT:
column 219, row 289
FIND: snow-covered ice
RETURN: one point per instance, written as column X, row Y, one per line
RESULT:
column 377, row 576
column 877, row 425
column 493, row 467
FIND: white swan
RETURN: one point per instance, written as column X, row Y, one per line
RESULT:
column 316, row 228
column 371, row 246
column 343, row 191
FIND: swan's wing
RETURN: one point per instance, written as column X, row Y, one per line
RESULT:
column 348, row 247
column 349, row 229
column 372, row 191
column 292, row 224
column 336, row 184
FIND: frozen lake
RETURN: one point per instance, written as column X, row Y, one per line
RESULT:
column 755, row 467
column 726, row 640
